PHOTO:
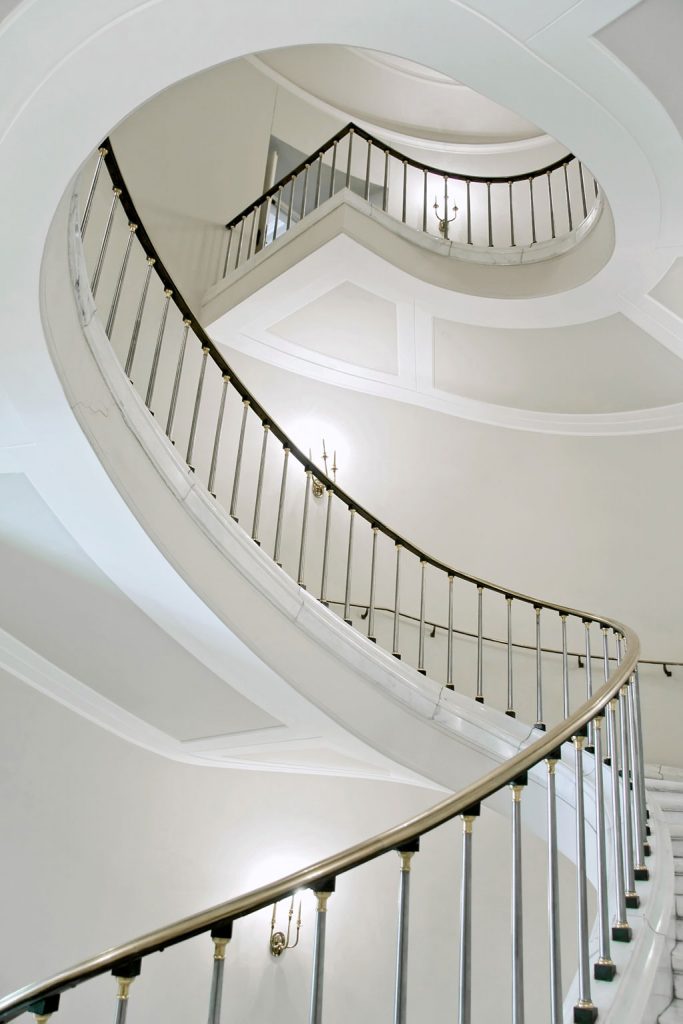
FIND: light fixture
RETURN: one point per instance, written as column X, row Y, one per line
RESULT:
column 280, row 941
column 445, row 220
column 317, row 486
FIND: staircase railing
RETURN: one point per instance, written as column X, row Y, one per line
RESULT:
column 607, row 723
column 479, row 213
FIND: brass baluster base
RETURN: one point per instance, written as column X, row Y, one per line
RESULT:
column 632, row 900
column 641, row 872
column 585, row 1013
column 604, row 970
column 621, row 932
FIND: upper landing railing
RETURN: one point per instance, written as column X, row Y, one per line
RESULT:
column 184, row 381
column 483, row 215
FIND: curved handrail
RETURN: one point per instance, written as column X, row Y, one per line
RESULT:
column 316, row 875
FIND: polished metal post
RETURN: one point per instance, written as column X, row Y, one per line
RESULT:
column 554, row 895
column 290, row 206
column 552, row 210
column 197, row 403
column 539, row 671
column 105, row 242
column 517, row 904
column 469, row 214
column 533, row 210
column 465, row 987
column 565, row 667
column 316, row 1010
column 449, row 647
column 124, row 975
column 259, row 485
column 277, row 211
column 132, row 228
column 583, row 191
column 367, row 171
column 333, row 168
column 138, row 318
column 488, row 206
column 445, row 208
column 511, row 699
column 385, row 189
column 480, row 645
column 221, row 936
column 424, row 199
column 605, row 968
column 406, row 854
column 371, row 603
column 304, row 524
column 584, row 1009
column 178, row 374
column 632, row 897
column 280, row 509
column 326, row 547
column 348, row 159
column 421, row 634
column 91, row 192
column 217, row 435
column 238, row 463
column 405, row 190
column 643, row 846
column 396, row 649
column 349, row 566
column 304, row 194
column 231, row 232
column 621, row 931
column 512, row 215
column 239, row 242
column 157, row 349
column 252, row 234
column 589, row 670
column 318, row 181
column 569, row 201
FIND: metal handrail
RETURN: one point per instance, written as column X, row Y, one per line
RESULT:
column 327, row 869
column 489, row 179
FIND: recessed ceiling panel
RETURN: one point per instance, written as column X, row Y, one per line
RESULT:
column 346, row 323
column 608, row 365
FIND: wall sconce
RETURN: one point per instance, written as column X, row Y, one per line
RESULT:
column 317, row 486
column 445, row 220
column 279, row 941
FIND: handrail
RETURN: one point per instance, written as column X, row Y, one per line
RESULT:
column 354, row 856
column 489, row 179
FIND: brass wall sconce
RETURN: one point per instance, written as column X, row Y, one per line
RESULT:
column 280, row 941
column 445, row 220
column 317, row 486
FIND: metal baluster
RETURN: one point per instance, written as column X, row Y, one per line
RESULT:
column 259, row 485
column 641, row 872
column 385, row 191
column 304, row 194
column 227, row 251
column 539, row 672
column 316, row 1011
column 589, row 669
column 197, row 403
column 632, row 897
column 304, row 524
column 132, row 228
column 585, row 1009
column 217, row 435
column 221, row 935
column 371, row 603
column 333, row 169
column 583, row 191
column 621, row 931
column 349, row 565
column 168, row 292
column 348, row 159
column 554, row 895
column 238, row 464
column 367, row 171
column 421, row 637
column 465, row 987
column 292, row 182
column 469, row 214
column 405, row 185
column 138, row 318
column 569, row 201
column 91, row 193
column 511, row 700
column 252, row 233
column 125, row 975
column 605, row 969
column 318, row 181
column 488, row 203
column 395, row 649
column 512, row 216
column 277, row 211
column 516, row 788
column 105, row 242
column 565, row 668
column 176, row 382
column 424, row 200
column 552, row 210
column 480, row 645
column 239, row 243
column 406, row 854
column 533, row 210
column 449, row 651
column 326, row 546
column 280, row 509
column 445, row 206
